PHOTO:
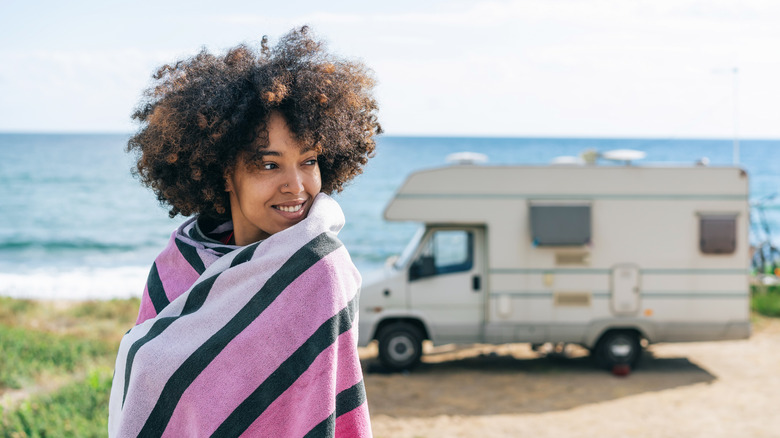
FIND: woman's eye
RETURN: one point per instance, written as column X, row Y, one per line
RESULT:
column 311, row 162
column 269, row 166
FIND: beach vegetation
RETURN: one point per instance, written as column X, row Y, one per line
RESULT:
column 56, row 366
column 78, row 409
column 765, row 300
column 30, row 353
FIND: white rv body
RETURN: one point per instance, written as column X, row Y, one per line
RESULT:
column 645, row 266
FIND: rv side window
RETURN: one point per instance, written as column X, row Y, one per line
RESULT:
column 446, row 251
column 718, row 233
column 560, row 224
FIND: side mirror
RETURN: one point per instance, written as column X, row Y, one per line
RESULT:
column 391, row 261
column 422, row 267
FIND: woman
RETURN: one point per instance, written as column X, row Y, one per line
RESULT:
column 248, row 323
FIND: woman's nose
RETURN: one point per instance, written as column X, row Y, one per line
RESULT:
column 293, row 182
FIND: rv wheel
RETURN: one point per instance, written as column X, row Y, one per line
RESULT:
column 400, row 346
column 618, row 348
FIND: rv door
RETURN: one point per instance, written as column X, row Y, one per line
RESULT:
column 447, row 283
column 625, row 289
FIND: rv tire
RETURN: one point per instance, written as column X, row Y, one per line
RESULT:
column 618, row 347
column 400, row 346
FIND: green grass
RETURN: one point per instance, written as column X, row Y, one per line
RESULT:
column 765, row 300
column 79, row 409
column 121, row 311
column 10, row 307
column 28, row 353
column 55, row 365
column 44, row 338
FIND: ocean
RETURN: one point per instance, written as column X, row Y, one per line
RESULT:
column 77, row 225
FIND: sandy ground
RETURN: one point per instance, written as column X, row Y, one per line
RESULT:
column 714, row 389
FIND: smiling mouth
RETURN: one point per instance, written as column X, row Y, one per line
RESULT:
column 289, row 208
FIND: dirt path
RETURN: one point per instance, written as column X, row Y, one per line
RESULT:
column 714, row 389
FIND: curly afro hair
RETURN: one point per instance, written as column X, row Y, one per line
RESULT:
column 202, row 112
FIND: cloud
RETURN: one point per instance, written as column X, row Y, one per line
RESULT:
column 515, row 67
column 73, row 90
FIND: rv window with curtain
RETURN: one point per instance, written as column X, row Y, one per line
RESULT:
column 717, row 233
column 560, row 224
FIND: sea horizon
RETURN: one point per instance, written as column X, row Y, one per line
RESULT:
column 454, row 136
column 78, row 225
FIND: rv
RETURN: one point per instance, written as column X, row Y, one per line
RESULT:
column 610, row 257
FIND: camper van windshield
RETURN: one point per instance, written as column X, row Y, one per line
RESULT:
column 408, row 252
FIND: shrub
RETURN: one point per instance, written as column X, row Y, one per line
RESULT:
column 765, row 300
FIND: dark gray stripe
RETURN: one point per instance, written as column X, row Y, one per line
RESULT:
column 156, row 290
column 288, row 372
column 350, row 399
column 181, row 379
column 191, row 255
column 197, row 234
column 326, row 428
column 194, row 301
column 245, row 255
column 346, row 401
column 223, row 249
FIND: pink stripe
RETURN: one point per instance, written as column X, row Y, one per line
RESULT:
column 246, row 362
column 146, row 310
column 176, row 274
column 312, row 398
column 354, row 424
column 348, row 375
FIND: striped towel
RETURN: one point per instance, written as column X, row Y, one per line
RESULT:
column 261, row 342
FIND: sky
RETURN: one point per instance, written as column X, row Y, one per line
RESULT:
column 508, row 68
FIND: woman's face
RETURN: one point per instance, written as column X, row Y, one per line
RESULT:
column 276, row 193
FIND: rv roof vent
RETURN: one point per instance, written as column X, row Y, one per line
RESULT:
column 567, row 160
column 625, row 155
column 466, row 158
